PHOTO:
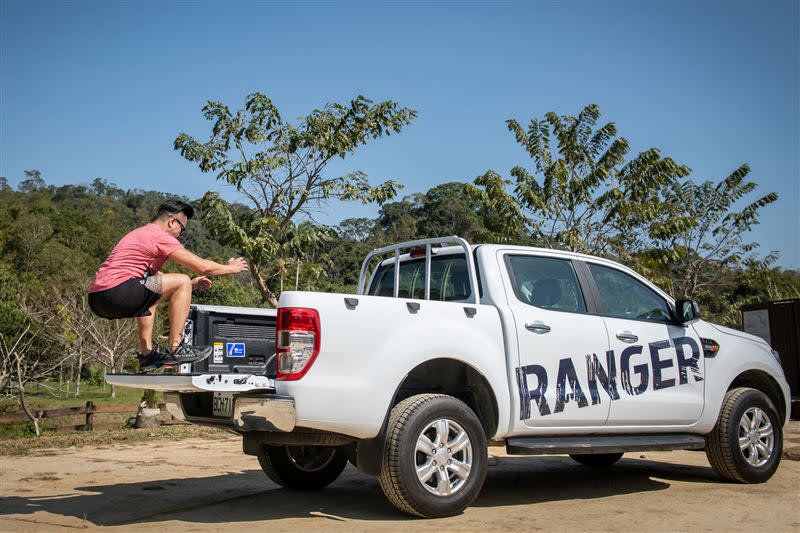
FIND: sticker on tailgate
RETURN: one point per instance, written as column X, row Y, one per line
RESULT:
column 235, row 349
column 218, row 353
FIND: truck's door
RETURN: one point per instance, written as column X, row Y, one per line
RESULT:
column 660, row 363
column 562, row 349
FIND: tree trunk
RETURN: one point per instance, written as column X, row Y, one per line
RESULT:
column 267, row 294
column 297, row 276
column 113, row 389
column 23, row 402
column 147, row 417
column 78, row 379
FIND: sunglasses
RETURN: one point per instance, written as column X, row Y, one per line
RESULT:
column 183, row 228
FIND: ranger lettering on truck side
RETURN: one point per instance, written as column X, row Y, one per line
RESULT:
column 569, row 387
column 446, row 347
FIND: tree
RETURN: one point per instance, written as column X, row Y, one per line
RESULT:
column 710, row 235
column 33, row 182
column 12, row 319
column 108, row 342
column 281, row 169
column 356, row 229
column 445, row 210
column 582, row 194
column 22, row 361
column 397, row 221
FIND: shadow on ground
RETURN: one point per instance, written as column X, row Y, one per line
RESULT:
column 249, row 496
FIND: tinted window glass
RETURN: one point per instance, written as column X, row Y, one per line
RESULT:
column 546, row 282
column 626, row 297
column 449, row 279
column 410, row 274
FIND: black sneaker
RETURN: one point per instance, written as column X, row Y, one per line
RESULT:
column 150, row 361
column 185, row 353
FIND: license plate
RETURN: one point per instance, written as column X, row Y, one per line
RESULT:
column 222, row 404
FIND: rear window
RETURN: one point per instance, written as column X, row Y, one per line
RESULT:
column 449, row 279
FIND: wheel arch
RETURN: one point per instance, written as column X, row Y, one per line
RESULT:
column 444, row 375
column 762, row 381
column 454, row 377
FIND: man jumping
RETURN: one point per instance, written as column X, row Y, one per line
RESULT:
column 129, row 283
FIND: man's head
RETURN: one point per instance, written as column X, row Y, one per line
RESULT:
column 173, row 216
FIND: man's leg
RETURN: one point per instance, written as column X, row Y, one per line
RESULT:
column 145, row 327
column 177, row 288
column 178, row 310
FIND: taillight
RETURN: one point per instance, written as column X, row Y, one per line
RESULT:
column 297, row 336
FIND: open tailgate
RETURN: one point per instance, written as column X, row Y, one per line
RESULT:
column 193, row 382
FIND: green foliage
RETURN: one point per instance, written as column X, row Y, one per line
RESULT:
column 11, row 316
column 582, row 194
column 398, row 221
column 280, row 168
column 704, row 232
column 234, row 291
column 150, row 398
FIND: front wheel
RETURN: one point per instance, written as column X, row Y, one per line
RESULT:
column 435, row 458
column 746, row 443
column 302, row 467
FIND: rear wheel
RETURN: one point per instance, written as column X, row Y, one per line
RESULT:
column 747, row 441
column 435, row 457
column 302, row 467
column 598, row 459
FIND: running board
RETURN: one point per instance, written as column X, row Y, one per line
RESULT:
column 193, row 382
column 592, row 444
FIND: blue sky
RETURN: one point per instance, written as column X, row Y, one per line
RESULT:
column 101, row 89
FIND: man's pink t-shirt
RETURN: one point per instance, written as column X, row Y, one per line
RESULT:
column 142, row 250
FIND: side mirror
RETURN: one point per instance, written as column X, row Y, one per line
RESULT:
column 687, row 311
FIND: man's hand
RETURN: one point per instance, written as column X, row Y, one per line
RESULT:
column 237, row 264
column 201, row 283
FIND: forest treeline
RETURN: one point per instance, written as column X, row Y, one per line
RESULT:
column 53, row 238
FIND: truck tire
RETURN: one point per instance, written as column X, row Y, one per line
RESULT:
column 746, row 443
column 597, row 460
column 302, row 467
column 435, row 457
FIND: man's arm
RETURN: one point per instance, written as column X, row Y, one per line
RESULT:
column 206, row 267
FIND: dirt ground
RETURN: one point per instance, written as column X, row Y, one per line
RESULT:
column 201, row 485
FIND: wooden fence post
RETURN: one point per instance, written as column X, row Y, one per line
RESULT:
column 89, row 415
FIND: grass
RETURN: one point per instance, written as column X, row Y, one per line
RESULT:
column 19, row 438
column 52, row 444
column 97, row 393
column 42, row 398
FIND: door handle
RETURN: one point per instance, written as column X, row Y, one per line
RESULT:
column 538, row 327
column 627, row 336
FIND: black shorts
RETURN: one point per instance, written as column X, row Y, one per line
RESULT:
column 128, row 299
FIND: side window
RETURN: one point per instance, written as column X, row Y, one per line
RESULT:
column 626, row 297
column 546, row 282
column 449, row 279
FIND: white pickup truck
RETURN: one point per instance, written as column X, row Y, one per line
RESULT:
column 446, row 349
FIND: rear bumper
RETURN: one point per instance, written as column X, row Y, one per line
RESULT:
column 270, row 413
column 251, row 412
